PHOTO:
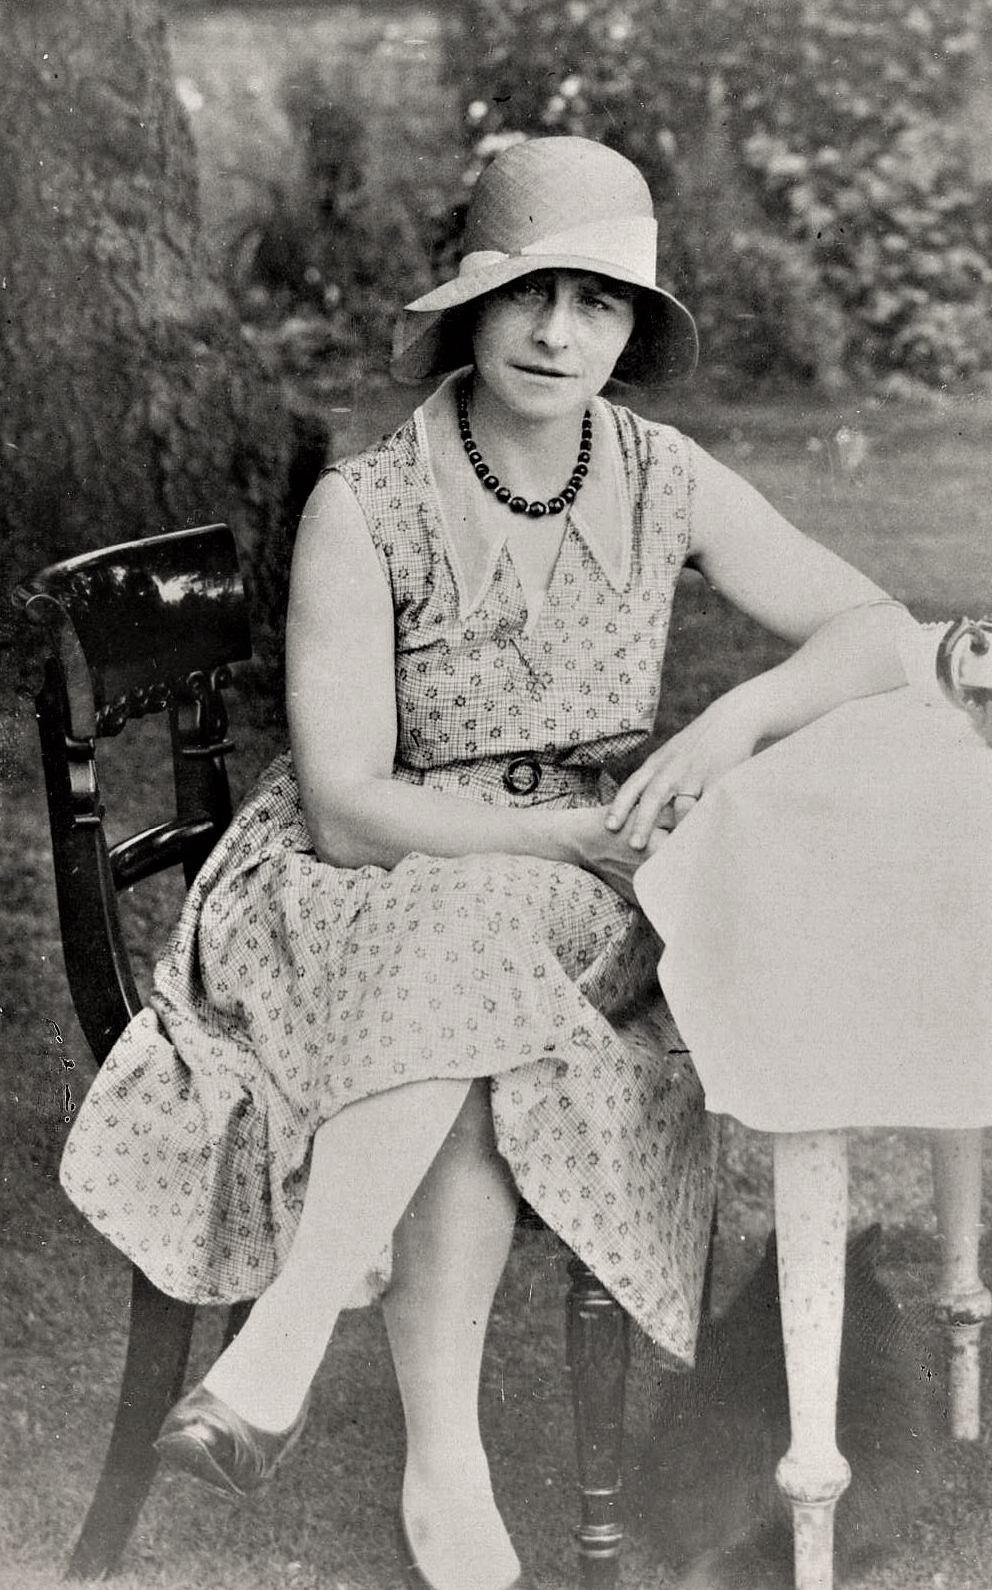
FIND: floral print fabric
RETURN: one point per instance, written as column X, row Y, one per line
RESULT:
column 291, row 988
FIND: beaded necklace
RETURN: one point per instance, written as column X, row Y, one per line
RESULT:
column 536, row 509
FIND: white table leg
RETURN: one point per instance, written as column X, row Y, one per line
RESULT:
column 811, row 1225
column 962, row 1303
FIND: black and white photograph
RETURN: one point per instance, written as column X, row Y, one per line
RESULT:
column 496, row 794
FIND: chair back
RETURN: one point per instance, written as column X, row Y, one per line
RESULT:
column 144, row 627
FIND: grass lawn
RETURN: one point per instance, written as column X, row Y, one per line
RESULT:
column 913, row 509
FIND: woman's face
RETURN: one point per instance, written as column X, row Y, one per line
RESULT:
column 546, row 343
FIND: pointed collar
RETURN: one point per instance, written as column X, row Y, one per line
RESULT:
column 475, row 527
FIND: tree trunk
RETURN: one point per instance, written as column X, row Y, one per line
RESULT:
column 129, row 400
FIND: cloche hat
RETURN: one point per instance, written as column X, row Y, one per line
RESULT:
column 554, row 203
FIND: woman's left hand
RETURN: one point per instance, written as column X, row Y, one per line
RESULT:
column 668, row 783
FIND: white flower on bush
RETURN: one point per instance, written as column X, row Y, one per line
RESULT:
column 620, row 29
column 554, row 109
column 189, row 95
column 494, row 144
column 571, row 86
column 477, row 111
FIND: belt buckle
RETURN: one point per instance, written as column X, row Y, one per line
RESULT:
column 522, row 775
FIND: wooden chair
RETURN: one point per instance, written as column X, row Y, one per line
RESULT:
column 153, row 626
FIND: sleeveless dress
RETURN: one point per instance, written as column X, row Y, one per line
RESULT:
column 291, row 987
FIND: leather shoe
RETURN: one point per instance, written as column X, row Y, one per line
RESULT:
column 203, row 1436
column 414, row 1575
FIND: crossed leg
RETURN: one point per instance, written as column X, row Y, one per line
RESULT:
column 367, row 1162
column 449, row 1252
column 418, row 1163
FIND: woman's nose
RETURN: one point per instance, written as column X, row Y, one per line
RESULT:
column 554, row 323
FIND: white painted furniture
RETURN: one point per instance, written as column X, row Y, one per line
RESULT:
column 811, row 1223
column 826, row 912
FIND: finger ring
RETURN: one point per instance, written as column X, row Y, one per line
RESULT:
column 684, row 795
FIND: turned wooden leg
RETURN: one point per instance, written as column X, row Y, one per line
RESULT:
column 598, row 1348
column 962, row 1303
column 811, row 1227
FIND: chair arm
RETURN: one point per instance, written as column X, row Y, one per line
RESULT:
column 155, row 849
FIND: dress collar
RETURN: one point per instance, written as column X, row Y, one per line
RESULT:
column 476, row 527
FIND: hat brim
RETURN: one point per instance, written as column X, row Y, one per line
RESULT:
column 431, row 335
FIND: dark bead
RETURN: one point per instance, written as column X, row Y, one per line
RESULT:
column 503, row 494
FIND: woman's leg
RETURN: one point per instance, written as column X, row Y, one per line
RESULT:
column 367, row 1163
column 450, row 1250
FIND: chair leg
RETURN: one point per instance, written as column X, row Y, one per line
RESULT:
column 962, row 1303
column 598, row 1349
column 236, row 1316
column 811, row 1226
column 157, row 1350
column 706, row 1302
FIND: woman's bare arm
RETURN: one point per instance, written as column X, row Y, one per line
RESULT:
column 844, row 625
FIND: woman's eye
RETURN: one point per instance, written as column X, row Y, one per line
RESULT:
column 601, row 303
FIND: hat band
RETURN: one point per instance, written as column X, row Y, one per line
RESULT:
column 630, row 246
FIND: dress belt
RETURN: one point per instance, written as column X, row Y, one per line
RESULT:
column 521, row 775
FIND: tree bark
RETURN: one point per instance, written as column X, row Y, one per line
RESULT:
column 130, row 402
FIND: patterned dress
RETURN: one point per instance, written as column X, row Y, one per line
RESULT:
column 291, row 987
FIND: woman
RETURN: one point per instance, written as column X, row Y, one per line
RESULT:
column 411, row 982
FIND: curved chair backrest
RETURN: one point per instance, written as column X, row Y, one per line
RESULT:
column 143, row 627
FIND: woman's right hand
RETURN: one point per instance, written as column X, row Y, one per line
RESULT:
column 610, row 856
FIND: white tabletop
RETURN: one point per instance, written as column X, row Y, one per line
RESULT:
column 827, row 917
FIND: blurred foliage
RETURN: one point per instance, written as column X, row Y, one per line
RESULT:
column 322, row 262
column 837, row 225
column 321, row 245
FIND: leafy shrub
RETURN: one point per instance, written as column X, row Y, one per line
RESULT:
column 865, row 241
column 326, row 258
column 764, row 313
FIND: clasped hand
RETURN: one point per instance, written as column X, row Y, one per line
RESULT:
column 663, row 790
